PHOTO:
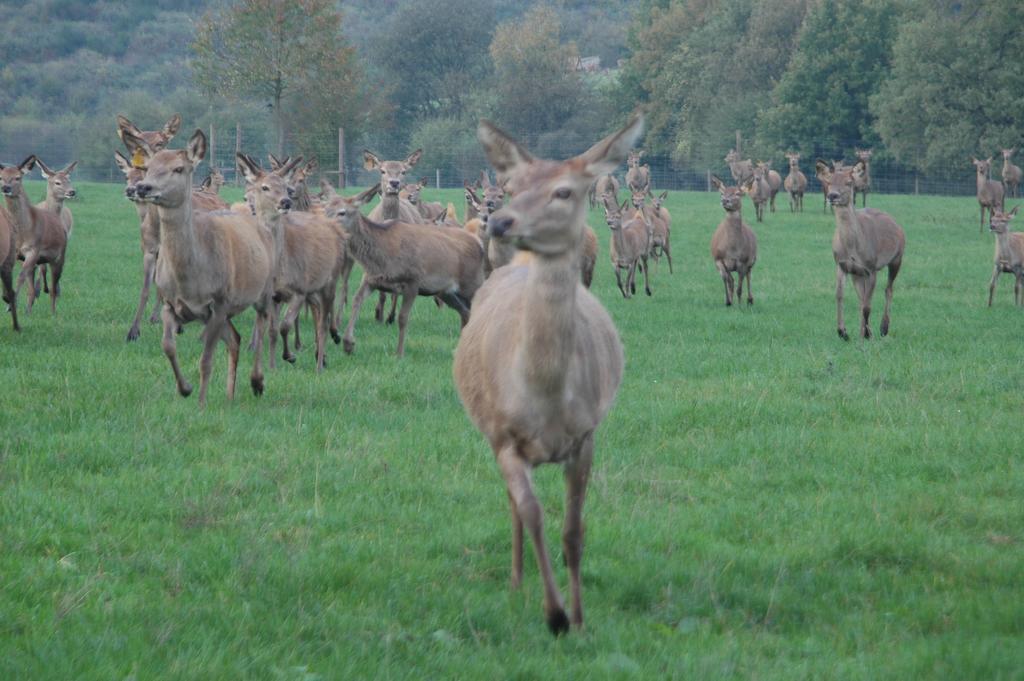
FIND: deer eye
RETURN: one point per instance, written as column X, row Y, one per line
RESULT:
column 265, row 188
column 562, row 193
column 179, row 170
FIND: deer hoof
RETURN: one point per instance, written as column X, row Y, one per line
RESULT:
column 185, row 389
column 288, row 358
column 257, row 385
column 348, row 345
column 884, row 329
column 558, row 622
column 842, row 334
column 867, row 333
column 335, row 336
column 133, row 334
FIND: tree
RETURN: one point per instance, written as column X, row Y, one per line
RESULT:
column 821, row 102
column 956, row 88
column 289, row 53
column 535, row 80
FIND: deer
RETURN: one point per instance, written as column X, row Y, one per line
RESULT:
column 8, row 255
column 734, row 244
column 391, row 206
column 989, row 192
column 606, row 184
column 40, row 235
column 836, row 165
column 213, row 182
column 865, row 241
column 310, row 253
column 661, row 230
column 862, row 179
column 795, row 184
column 212, row 266
column 58, row 190
column 155, row 140
column 638, row 177
column 409, row 260
column 430, row 211
column 301, row 199
column 630, row 245
column 774, row 181
column 742, row 170
column 1011, row 174
column 538, row 366
column 759, row 190
column 1009, row 256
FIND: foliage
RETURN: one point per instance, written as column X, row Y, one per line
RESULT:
column 956, row 88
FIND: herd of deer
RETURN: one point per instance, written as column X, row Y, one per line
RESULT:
column 538, row 361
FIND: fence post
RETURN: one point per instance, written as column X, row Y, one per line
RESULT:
column 238, row 150
column 437, row 178
column 917, row 187
column 213, row 148
column 341, row 158
column 709, row 179
column 738, row 152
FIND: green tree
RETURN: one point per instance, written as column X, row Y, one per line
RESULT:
column 821, row 102
column 535, row 81
column 956, row 87
column 289, row 53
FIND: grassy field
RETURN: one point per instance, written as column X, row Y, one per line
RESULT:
column 767, row 502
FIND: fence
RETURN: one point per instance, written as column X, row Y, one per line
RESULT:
column 887, row 175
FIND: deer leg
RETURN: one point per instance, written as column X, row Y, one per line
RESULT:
column 7, row 279
column 517, row 544
column 294, row 308
column 520, row 488
column 981, row 225
column 726, row 281
column 346, row 272
column 1018, row 299
column 266, row 321
column 618, row 280
column 298, row 322
column 319, row 324
column 894, row 269
column 577, row 474
column 378, row 312
column 992, row 284
column 668, row 254
column 27, row 268
column 631, row 278
column 408, row 298
column 840, row 284
column 56, row 269
column 394, row 306
column 865, row 290
column 148, row 265
column 750, row 288
column 349, row 340
column 454, row 301
column 647, row 276
column 171, row 349
column 211, row 336
column 233, row 340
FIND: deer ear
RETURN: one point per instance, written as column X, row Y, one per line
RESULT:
column 370, row 161
column 664, row 195
column 1014, row 211
column 414, row 158
column 196, row 148
column 124, row 125
column 717, row 183
column 364, row 196
column 503, row 152
column 822, row 169
column 311, row 166
column 171, row 129
column 247, row 164
column 609, row 153
column 205, row 184
column 71, row 166
column 28, row 164
column 46, row 172
column 122, row 162
column 485, row 179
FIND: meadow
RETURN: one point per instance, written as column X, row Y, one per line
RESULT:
column 767, row 502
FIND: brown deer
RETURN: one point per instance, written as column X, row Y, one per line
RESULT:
column 1009, row 256
column 58, row 190
column 836, row 165
column 630, row 245
column 40, row 236
column 310, row 253
column 606, row 184
column 734, row 244
column 865, row 241
column 759, row 191
column 540, row 361
column 638, row 177
column 212, row 266
column 796, row 184
column 742, row 170
column 1011, row 174
column 862, row 179
column 8, row 255
column 990, row 192
column 213, row 182
column 408, row 260
column 661, row 229
column 155, row 140
column 774, row 181
column 430, row 211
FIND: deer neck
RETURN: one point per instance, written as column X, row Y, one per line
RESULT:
column 734, row 220
column 21, row 210
column 363, row 245
column 849, row 231
column 178, row 237
column 547, row 329
column 389, row 206
column 52, row 203
column 273, row 223
column 302, row 200
column 1004, row 248
column 982, row 181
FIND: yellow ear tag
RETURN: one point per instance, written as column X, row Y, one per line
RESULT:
column 138, row 160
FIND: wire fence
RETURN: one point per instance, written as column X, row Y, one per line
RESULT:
column 449, row 167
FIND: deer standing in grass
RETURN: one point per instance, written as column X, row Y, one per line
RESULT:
column 540, row 361
column 836, row 165
column 1011, row 174
column 989, row 192
column 865, row 241
column 760, row 192
column 661, row 229
column 58, row 190
column 430, row 211
column 862, row 179
column 606, row 184
column 796, row 184
column 630, row 245
column 774, row 181
column 8, row 256
column 1009, row 254
column 40, row 235
column 638, row 177
column 733, row 245
column 742, row 170
column 212, row 266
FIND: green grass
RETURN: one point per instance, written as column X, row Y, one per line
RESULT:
column 767, row 501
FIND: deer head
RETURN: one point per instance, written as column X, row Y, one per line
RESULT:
column 999, row 222
column 269, row 190
column 155, row 139
column 732, row 196
column 11, row 176
column 493, row 194
column 546, row 212
column 345, row 209
column 59, row 182
column 168, row 180
column 839, row 180
column 633, row 160
column 392, row 173
column 984, row 168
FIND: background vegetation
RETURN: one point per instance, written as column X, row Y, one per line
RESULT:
column 767, row 501
column 926, row 83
